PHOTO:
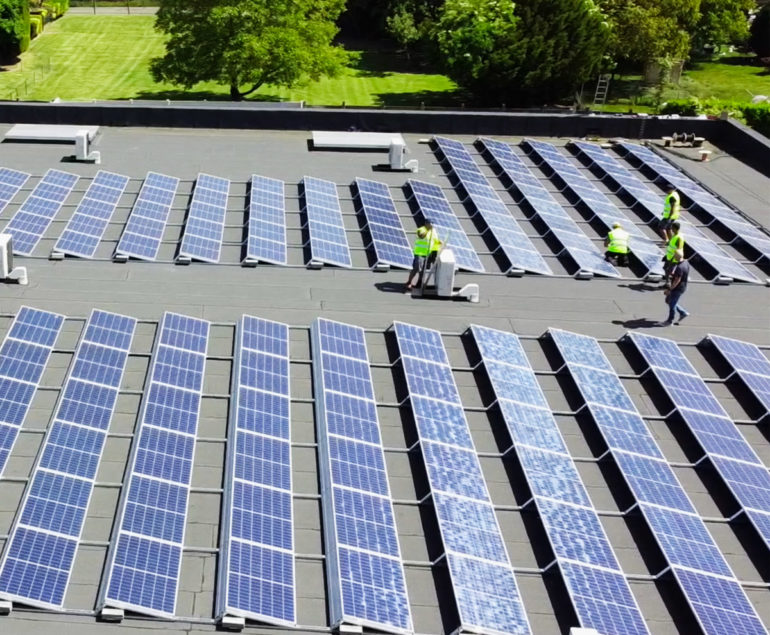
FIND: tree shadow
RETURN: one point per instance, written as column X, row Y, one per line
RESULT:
column 201, row 95
column 743, row 60
column 426, row 98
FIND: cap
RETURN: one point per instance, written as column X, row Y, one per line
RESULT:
column 616, row 224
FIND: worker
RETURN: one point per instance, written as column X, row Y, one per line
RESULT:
column 679, row 278
column 676, row 243
column 426, row 246
column 671, row 209
column 617, row 246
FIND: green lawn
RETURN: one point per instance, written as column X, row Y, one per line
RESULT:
column 85, row 57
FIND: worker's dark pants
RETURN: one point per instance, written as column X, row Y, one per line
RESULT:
column 620, row 259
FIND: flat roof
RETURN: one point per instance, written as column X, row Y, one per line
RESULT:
column 222, row 293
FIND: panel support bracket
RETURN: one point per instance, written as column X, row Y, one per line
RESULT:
column 183, row 260
column 56, row 255
column 724, row 280
column 119, row 258
column 232, row 623
column 110, row 614
column 582, row 274
column 381, row 267
column 249, row 262
column 349, row 629
column 514, row 273
column 6, row 607
column 314, row 264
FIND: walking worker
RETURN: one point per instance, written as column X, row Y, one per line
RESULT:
column 426, row 246
column 675, row 243
column 617, row 246
column 679, row 278
column 671, row 208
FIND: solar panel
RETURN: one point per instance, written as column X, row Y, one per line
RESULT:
column 434, row 207
column 266, row 241
column 33, row 218
column 478, row 563
column 512, row 241
column 650, row 202
column 143, row 564
column 572, row 524
column 702, row 198
column 24, row 354
column 748, row 362
column 388, row 238
column 573, row 240
column 679, row 531
column 143, row 232
column 11, row 181
column 732, row 456
column 256, row 564
column 326, row 229
column 205, row 226
column 87, row 225
column 55, row 502
column 365, row 573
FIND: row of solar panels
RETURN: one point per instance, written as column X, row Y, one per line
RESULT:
column 365, row 571
column 387, row 240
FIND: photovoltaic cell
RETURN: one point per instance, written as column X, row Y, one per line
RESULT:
column 256, row 565
column 326, row 229
column 388, row 238
column 732, row 456
column 434, row 207
column 143, row 232
column 478, row 562
column 748, row 362
column 512, row 241
column 205, row 226
column 651, row 203
column 702, row 198
column 266, row 240
column 87, row 225
column 142, row 572
column 24, row 354
column 579, row 246
column 365, row 573
column 54, row 506
column 33, row 218
column 11, row 181
column 678, row 530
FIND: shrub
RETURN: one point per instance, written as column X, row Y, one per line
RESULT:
column 683, row 107
column 14, row 28
column 758, row 117
column 35, row 25
column 759, row 40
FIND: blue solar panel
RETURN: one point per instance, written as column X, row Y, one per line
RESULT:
column 580, row 248
column 389, row 241
column 256, row 567
column 365, row 574
column 748, row 362
column 704, row 200
column 511, row 238
column 266, row 241
column 142, row 572
column 55, row 503
column 478, row 562
column 435, row 207
column 33, row 218
column 143, row 233
column 87, row 225
column 11, row 181
column 205, row 226
column 24, row 354
column 747, row 478
column 326, row 228
column 651, row 203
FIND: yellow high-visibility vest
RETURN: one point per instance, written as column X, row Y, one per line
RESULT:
column 421, row 246
column 618, row 241
column 671, row 206
column 676, row 243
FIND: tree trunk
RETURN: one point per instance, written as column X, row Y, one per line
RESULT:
column 235, row 94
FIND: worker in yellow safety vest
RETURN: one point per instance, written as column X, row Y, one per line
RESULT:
column 675, row 244
column 617, row 246
column 671, row 208
column 426, row 246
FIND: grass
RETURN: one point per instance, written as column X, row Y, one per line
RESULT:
column 87, row 57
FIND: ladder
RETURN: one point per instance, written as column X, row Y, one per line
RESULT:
column 602, row 88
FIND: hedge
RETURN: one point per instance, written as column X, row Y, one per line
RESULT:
column 35, row 25
column 756, row 115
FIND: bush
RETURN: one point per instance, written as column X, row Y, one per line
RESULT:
column 14, row 28
column 759, row 40
column 683, row 107
column 35, row 25
column 758, row 117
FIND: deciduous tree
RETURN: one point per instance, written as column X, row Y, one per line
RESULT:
column 723, row 22
column 245, row 44
column 759, row 40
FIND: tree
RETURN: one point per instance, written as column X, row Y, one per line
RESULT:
column 722, row 22
column 245, row 44
column 402, row 28
column 759, row 40
column 14, row 27
column 533, row 52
